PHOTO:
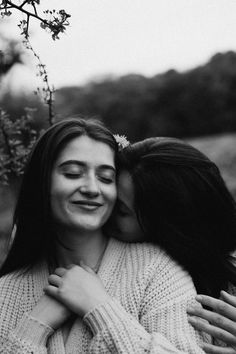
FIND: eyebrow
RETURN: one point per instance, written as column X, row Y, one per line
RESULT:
column 83, row 164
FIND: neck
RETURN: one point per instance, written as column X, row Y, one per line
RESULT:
column 75, row 247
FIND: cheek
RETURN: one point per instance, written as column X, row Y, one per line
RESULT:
column 111, row 195
column 129, row 229
column 62, row 187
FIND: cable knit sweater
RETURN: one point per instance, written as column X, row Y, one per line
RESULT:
column 146, row 313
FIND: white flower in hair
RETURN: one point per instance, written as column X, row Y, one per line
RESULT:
column 122, row 141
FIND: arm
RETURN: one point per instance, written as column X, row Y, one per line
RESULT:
column 116, row 331
column 220, row 323
column 162, row 326
column 29, row 337
column 23, row 331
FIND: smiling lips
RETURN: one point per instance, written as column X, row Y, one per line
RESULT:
column 87, row 204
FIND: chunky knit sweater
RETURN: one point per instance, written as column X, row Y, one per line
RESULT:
column 146, row 314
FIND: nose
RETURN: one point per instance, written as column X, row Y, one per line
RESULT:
column 90, row 186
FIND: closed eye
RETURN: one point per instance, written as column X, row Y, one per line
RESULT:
column 106, row 180
column 72, row 175
column 106, row 176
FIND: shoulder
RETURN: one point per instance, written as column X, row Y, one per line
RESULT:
column 12, row 295
column 10, row 281
column 154, row 257
column 142, row 249
column 161, row 270
column 167, row 283
column 21, row 281
column 140, row 254
column 154, row 262
column 19, row 292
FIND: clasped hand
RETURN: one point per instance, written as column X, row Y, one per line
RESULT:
column 78, row 288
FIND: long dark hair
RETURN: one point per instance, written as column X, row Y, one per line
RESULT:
column 185, row 207
column 34, row 238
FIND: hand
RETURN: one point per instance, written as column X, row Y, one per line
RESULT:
column 50, row 312
column 78, row 287
column 221, row 321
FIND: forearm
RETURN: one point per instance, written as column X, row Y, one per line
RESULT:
column 29, row 337
column 115, row 330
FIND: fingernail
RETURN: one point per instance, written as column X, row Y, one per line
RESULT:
column 198, row 297
column 224, row 293
column 190, row 310
column 191, row 319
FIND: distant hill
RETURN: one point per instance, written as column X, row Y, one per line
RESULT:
column 201, row 101
column 197, row 102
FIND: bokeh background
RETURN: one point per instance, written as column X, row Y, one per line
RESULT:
column 145, row 68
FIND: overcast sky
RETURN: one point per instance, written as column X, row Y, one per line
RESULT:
column 130, row 36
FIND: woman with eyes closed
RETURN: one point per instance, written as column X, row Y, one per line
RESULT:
column 183, row 205
column 66, row 285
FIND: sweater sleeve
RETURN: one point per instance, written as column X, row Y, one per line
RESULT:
column 162, row 326
column 20, row 333
column 28, row 337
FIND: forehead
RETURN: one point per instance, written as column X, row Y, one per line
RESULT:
column 87, row 150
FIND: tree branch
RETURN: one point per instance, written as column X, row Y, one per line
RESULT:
column 56, row 24
column 21, row 9
column 23, row 4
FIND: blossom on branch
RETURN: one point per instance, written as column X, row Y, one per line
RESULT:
column 53, row 21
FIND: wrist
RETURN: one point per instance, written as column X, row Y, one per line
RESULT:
column 42, row 316
column 94, row 302
column 33, row 330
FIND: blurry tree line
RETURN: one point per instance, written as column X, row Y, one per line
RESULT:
column 198, row 102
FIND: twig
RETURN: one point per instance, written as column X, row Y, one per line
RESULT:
column 6, row 139
column 48, row 91
column 20, row 8
column 56, row 24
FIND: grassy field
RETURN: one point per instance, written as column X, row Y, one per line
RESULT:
column 221, row 149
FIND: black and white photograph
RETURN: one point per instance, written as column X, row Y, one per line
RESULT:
column 118, row 177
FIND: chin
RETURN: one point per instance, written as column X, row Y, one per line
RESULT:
column 89, row 227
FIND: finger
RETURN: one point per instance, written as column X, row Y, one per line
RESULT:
column 55, row 280
column 60, row 271
column 213, row 349
column 230, row 299
column 218, row 306
column 70, row 266
column 87, row 268
column 214, row 319
column 51, row 290
column 215, row 332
